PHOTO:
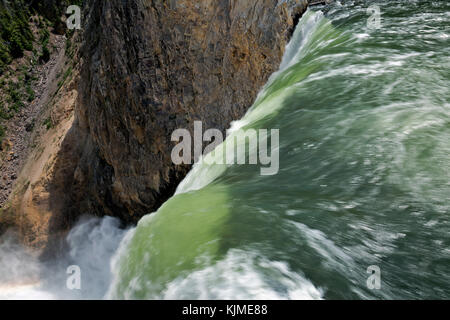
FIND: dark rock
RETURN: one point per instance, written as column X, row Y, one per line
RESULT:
column 154, row 66
column 29, row 126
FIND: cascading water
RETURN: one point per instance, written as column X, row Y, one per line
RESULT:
column 91, row 245
column 364, row 179
column 363, row 176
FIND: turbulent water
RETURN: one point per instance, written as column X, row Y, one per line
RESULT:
column 364, row 179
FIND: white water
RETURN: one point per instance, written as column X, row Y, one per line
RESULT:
column 240, row 276
column 90, row 245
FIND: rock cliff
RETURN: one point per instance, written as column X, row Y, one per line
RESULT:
column 150, row 67
column 144, row 69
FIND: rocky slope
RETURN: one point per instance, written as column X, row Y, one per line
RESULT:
column 147, row 67
column 36, row 105
column 37, row 194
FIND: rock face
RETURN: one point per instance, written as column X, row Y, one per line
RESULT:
column 152, row 66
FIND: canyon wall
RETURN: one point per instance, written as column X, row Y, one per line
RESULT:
column 150, row 67
column 145, row 68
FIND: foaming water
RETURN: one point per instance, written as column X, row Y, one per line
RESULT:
column 241, row 275
column 364, row 180
column 90, row 246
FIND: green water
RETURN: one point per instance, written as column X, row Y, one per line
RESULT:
column 364, row 119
